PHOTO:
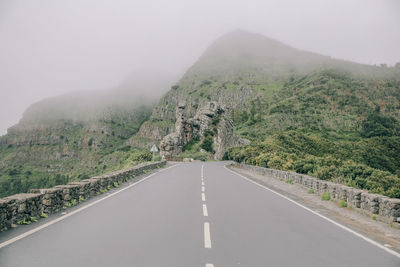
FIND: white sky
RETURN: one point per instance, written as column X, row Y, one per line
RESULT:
column 50, row 47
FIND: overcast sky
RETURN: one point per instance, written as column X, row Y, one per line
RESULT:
column 50, row 47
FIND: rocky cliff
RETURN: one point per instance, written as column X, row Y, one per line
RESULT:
column 210, row 119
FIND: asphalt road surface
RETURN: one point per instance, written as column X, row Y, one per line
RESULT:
column 189, row 215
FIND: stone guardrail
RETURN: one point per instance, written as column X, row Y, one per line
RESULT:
column 26, row 207
column 389, row 208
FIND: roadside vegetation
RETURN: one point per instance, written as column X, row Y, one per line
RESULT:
column 329, row 124
column 70, row 151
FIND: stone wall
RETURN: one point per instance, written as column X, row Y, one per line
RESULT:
column 388, row 208
column 22, row 208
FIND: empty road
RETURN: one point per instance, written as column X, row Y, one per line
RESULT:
column 189, row 215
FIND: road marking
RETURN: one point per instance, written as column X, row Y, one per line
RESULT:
column 202, row 171
column 209, row 265
column 394, row 253
column 207, row 236
column 205, row 211
column 202, row 183
column 203, row 197
column 202, row 189
column 28, row 233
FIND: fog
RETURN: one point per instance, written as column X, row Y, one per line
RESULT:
column 52, row 47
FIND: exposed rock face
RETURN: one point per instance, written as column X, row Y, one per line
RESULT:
column 210, row 115
column 226, row 138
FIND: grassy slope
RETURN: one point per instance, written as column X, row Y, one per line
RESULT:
column 303, row 112
column 43, row 151
column 329, row 124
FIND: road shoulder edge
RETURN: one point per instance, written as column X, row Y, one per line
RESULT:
column 365, row 238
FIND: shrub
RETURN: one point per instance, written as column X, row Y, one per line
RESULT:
column 74, row 202
column 311, row 191
column 326, row 196
column 207, row 144
column 342, row 203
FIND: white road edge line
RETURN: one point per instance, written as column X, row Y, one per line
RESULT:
column 202, row 189
column 28, row 233
column 205, row 211
column 209, row 265
column 207, row 236
column 203, row 197
column 394, row 253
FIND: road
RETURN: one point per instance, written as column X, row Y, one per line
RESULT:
column 177, row 218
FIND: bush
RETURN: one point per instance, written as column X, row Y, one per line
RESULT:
column 342, row 203
column 202, row 157
column 326, row 196
column 207, row 144
column 311, row 191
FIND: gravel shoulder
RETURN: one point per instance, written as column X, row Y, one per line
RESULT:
column 359, row 221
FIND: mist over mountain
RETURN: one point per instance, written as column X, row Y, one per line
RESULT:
column 299, row 111
column 247, row 98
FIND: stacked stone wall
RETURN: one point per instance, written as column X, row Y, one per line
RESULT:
column 386, row 207
column 23, row 208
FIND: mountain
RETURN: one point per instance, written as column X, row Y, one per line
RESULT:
column 78, row 135
column 247, row 98
column 254, row 99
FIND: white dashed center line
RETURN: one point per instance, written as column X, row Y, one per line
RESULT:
column 205, row 211
column 202, row 183
column 209, row 265
column 207, row 236
column 202, row 189
column 203, row 197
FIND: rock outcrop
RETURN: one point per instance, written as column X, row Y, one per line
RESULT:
column 211, row 117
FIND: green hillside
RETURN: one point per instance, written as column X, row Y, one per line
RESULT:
column 70, row 138
column 330, row 125
column 295, row 110
column 302, row 112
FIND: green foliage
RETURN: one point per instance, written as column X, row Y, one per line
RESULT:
column 102, row 190
column 191, row 143
column 376, row 124
column 370, row 163
column 326, row 196
column 373, row 217
column 288, row 181
column 207, row 144
column 70, row 204
column 69, row 149
column 342, row 203
column 115, row 184
column 33, row 219
column 157, row 158
column 81, row 199
column 25, row 221
column 311, row 191
column 44, row 215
